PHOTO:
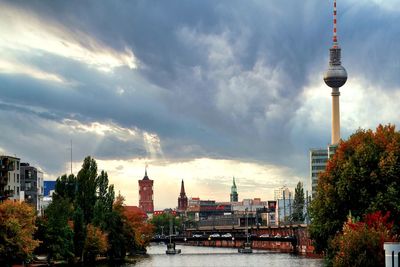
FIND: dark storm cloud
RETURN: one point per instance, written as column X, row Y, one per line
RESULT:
column 214, row 78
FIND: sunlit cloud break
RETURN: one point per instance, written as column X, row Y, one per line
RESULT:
column 23, row 31
column 9, row 67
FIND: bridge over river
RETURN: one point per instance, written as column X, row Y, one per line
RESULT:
column 289, row 238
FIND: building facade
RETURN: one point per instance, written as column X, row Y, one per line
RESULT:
column 318, row 161
column 182, row 199
column 10, row 178
column 146, row 194
column 32, row 185
column 281, row 192
column 234, row 194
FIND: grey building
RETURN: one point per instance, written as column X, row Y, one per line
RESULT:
column 10, row 178
column 318, row 160
column 32, row 186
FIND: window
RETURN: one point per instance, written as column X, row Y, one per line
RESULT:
column 17, row 178
column 17, row 165
column 17, row 190
column 14, row 177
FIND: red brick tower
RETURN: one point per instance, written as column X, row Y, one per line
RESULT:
column 146, row 194
column 182, row 199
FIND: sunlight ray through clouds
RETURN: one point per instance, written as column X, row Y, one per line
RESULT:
column 26, row 32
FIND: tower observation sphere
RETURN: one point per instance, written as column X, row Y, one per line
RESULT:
column 336, row 75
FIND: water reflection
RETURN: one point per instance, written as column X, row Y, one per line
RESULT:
column 206, row 256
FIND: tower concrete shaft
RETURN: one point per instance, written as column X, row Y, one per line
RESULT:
column 335, row 137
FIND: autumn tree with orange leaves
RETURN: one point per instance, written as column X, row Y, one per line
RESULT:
column 362, row 177
column 136, row 230
column 361, row 242
column 17, row 226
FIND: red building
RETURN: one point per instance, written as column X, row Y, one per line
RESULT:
column 182, row 199
column 146, row 194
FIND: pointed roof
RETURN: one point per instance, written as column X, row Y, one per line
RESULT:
column 233, row 188
column 145, row 174
column 183, row 188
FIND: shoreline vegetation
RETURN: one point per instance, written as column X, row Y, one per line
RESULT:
column 84, row 223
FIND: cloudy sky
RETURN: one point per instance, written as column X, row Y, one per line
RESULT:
column 199, row 90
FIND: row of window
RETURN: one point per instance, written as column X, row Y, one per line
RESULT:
column 9, row 177
column 318, row 168
column 320, row 160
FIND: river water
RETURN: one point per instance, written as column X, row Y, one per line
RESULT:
column 229, row 257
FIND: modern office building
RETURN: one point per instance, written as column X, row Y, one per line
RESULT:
column 10, row 178
column 49, row 187
column 318, row 160
column 146, row 194
column 32, row 185
column 280, row 192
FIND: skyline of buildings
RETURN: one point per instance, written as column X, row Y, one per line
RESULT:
column 257, row 109
column 21, row 182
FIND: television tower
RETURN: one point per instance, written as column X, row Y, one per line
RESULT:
column 335, row 77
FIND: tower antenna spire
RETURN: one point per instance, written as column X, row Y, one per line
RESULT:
column 71, row 156
column 335, row 40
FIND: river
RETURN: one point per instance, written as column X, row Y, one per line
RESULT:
column 229, row 257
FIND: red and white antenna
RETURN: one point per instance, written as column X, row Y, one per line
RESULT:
column 335, row 42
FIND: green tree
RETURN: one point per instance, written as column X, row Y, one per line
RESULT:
column 17, row 226
column 298, row 204
column 87, row 187
column 161, row 223
column 362, row 177
column 104, row 201
column 116, row 239
column 59, row 233
column 65, row 187
column 79, row 233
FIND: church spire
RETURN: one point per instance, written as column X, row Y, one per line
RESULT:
column 183, row 188
column 182, row 199
column 145, row 173
column 234, row 194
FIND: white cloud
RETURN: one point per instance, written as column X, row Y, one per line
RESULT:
column 25, row 32
column 9, row 67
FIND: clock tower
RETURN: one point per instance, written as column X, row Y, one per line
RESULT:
column 146, row 194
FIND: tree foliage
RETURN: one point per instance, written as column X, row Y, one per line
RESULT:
column 362, row 177
column 95, row 243
column 84, row 216
column 87, row 181
column 162, row 223
column 59, row 234
column 298, row 204
column 17, row 226
column 139, row 229
column 361, row 243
